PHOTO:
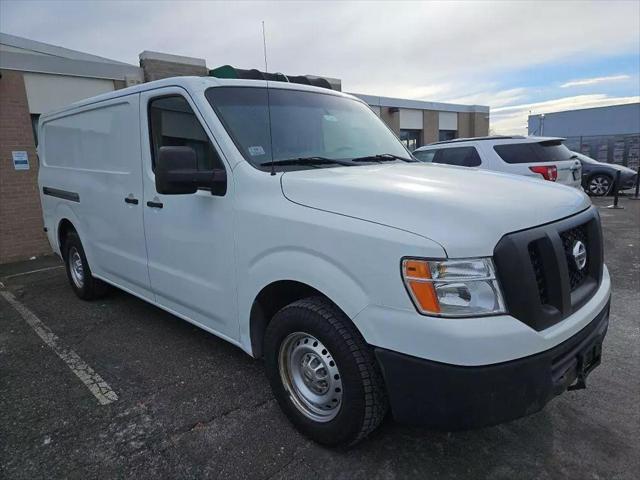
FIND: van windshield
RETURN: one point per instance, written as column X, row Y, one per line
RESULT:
column 305, row 125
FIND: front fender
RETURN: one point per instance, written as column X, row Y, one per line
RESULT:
column 302, row 265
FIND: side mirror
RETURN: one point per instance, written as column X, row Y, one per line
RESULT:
column 177, row 173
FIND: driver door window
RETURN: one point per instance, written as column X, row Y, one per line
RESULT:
column 173, row 123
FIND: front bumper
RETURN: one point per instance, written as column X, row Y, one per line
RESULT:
column 452, row 397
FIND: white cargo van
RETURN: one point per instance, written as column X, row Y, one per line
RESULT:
column 291, row 222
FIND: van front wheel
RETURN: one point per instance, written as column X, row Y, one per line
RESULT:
column 323, row 373
column 82, row 282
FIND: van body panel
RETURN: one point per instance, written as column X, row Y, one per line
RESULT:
column 440, row 202
column 280, row 240
column 190, row 242
column 94, row 152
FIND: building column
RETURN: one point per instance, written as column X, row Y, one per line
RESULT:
column 431, row 128
column 480, row 124
column 158, row 65
column 21, row 224
column 465, row 127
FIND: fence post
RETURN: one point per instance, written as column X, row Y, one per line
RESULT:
column 635, row 196
column 616, row 187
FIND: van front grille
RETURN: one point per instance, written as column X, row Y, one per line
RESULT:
column 536, row 263
column 538, row 273
column 569, row 239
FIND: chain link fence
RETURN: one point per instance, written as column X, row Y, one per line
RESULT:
column 619, row 149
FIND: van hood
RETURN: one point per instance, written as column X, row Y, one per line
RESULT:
column 465, row 210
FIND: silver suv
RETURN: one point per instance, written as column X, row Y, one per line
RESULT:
column 538, row 157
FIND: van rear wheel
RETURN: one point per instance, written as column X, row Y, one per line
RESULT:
column 79, row 274
column 323, row 374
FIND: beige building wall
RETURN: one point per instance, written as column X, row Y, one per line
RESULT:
column 430, row 130
column 474, row 124
column 470, row 124
column 158, row 65
column 391, row 118
column 47, row 92
column 480, row 124
column 465, row 127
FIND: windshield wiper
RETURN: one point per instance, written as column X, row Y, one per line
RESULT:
column 307, row 161
column 381, row 157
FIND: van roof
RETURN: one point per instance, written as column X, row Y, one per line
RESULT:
column 195, row 84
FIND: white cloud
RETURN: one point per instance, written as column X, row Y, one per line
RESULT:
column 462, row 52
column 493, row 99
column 512, row 119
column 384, row 48
column 594, row 81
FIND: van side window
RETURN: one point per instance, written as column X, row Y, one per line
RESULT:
column 460, row 156
column 172, row 123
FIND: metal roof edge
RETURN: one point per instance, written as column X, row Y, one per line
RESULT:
column 53, row 50
column 421, row 104
column 64, row 66
column 613, row 105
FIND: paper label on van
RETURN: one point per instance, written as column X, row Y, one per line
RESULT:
column 256, row 150
column 330, row 118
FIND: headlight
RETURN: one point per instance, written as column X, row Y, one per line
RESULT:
column 453, row 288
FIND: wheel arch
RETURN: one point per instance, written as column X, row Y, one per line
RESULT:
column 64, row 227
column 281, row 276
column 65, row 221
column 272, row 298
column 605, row 173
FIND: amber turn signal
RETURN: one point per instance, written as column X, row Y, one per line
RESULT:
column 417, row 277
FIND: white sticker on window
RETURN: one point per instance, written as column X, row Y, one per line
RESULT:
column 330, row 118
column 256, row 150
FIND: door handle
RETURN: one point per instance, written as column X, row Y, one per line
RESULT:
column 155, row 204
column 131, row 200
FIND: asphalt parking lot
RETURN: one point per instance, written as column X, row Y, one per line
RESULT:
column 192, row 406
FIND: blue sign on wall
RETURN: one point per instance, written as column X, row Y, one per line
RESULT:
column 20, row 160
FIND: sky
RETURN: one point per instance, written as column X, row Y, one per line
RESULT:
column 517, row 57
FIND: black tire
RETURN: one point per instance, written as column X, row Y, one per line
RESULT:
column 89, row 288
column 599, row 185
column 364, row 402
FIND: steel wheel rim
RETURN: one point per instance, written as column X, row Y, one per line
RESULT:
column 310, row 376
column 599, row 185
column 75, row 267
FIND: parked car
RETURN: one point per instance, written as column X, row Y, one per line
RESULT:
column 538, row 157
column 598, row 178
column 292, row 223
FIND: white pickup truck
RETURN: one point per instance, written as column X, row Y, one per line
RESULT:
column 291, row 222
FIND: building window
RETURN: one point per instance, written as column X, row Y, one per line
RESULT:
column 447, row 135
column 411, row 139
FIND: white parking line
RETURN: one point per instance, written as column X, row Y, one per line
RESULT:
column 94, row 382
column 33, row 271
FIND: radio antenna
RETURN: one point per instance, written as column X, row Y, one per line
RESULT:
column 266, row 77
